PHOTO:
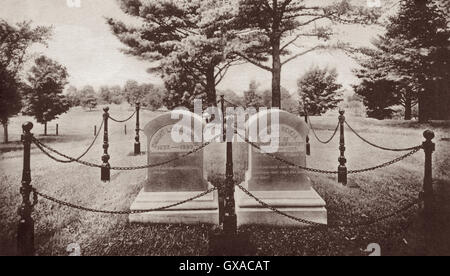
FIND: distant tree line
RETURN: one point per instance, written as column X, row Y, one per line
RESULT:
column 318, row 91
column 150, row 96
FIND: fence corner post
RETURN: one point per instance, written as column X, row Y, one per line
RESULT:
column 137, row 143
column 25, row 231
column 105, row 170
column 428, row 195
column 342, row 169
column 308, row 145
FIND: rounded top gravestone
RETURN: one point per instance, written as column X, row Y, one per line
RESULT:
column 169, row 136
column 286, row 134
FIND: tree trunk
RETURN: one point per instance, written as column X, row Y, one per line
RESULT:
column 211, row 94
column 45, row 129
column 408, row 108
column 425, row 105
column 276, row 75
column 5, row 132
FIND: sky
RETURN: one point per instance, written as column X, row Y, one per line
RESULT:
column 83, row 42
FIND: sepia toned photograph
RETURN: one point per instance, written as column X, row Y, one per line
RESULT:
column 225, row 128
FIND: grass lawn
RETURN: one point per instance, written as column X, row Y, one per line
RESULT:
column 379, row 193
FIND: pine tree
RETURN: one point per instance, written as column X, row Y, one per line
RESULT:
column 273, row 27
column 416, row 47
column 379, row 94
column 380, row 89
column 190, row 34
column 319, row 90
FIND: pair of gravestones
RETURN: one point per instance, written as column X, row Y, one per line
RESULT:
column 282, row 186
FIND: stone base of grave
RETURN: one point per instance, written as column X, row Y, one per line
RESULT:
column 307, row 205
column 203, row 210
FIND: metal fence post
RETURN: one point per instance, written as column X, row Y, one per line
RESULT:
column 57, row 129
column 137, row 143
column 308, row 145
column 342, row 169
column 222, row 107
column 25, row 232
column 428, row 195
column 230, row 219
column 105, row 170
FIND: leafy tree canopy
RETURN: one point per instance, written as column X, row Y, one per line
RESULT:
column 43, row 92
column 319, row 90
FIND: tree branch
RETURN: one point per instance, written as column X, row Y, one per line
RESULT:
column 254, row 62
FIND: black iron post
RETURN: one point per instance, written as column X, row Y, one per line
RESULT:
column 57, row 129
column 428, row 195
column 230, row 219
column 342, row 169
column 228, row 242
column 106, row 168
column 229, row 213
column 222, row 106
column 137, row 143
column 95, row 130
column 25, row 232
column 308, row 145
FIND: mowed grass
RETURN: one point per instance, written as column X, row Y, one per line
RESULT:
column 380, row 192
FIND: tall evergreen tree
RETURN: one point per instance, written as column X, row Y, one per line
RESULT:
column 416, row 50
column 190, row 34
column 381, row 89
column 273, row 27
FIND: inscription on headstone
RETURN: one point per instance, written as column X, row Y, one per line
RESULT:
column 182, row 175
column 269, row 174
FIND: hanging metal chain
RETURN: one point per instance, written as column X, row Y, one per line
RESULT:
column 232, row 104
column 125, row 212
column 122, row 121
column 285, row 161
column 317, row 137
column 275, row 210
column 414, row 151
column 374, row 145
column 161, row 163
column 387, row 164
column 42, row 147
column 83, row 154
column 321, row 225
